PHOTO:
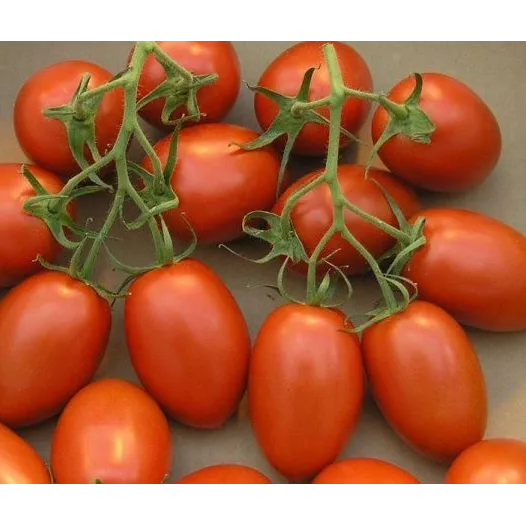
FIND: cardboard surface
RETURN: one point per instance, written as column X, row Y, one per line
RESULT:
column 496, row 71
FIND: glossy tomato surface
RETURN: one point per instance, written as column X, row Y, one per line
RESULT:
column 472, row 266
column 217, row 182
column 464, row 148
column 114, row 432
column 43, row 139
column 225, row 474
column 306, row 388
column 189, row 342
column 285, row 76
column 24, row 236
column 200, row 58
column 427, row 380
column 53, row 334
column 492, row 461
column 313, row 214
column 19, row 462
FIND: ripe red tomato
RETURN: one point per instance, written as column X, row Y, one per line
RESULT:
column 114, row 432
column 200, row 58
column 217, row 183
column 18, row 259
column 473, row 267
column 43, row 139
column 426, row 379
column 189, row 342
column 313, row 214
column 492, row 461
column 53, row 333
column 306, row 387
column 364, row 471
column 465, row 146
column 285, row 75
column 19, row 462
column 225, row 474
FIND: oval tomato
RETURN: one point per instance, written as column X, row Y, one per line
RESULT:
column 313, row 214
column 464, row 148
column 473, row 267
column 19, row 462
column 306, row 387
column 189, row 342
column 426, row 379
column 364, row 471
column 18, row 259
column 111, row 431
column 492, row 461
column 43, row 139
column 200, row 58
column 217, row 182
column 225, row 474
column 53, row 333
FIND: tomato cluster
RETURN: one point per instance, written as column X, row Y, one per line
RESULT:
column 307, row 372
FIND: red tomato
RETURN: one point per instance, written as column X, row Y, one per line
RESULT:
column 225, row 474
column 53, row 333
column 111, row 431
column 313, row 214
column 306, row 388
column 44, row 140
column 465, row 146
column 426, row 379
column 285, row 75
column 364, row 471
column 217, row 183
column 17, row 259
column 200, row 58
column 188, row 342
column 19, row 462
column 492, row 461
column 473, row 267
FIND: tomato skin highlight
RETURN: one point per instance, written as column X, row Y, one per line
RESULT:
column 313, row 214
column 43, row 139
column 53, row 334
column 19, row 462
column 492, row 461
column 111, row 431
column 225, row 474
column 427, row 380
column 285, row 75
column 189, row 342
column 200, row 58
column 464, row 148
column 473, row 267
column 217, row 183
column 306, row 388
column 364, row 471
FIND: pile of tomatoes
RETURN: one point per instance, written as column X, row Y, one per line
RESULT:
column 307, row 371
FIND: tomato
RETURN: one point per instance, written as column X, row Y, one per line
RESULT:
column 200, row 58
column 114, row 432
column 43, row 139
column 306, row 387
column 285, row 75
column 465, row 146
column 53, row 333
column 364, row 471
column 225, row 474
column 492, row 461
column 217, row 183
column 426, row 379
column 24, row 236
column 313, row 214
column 473, row 267
column 19, row 462
column 188, row 342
